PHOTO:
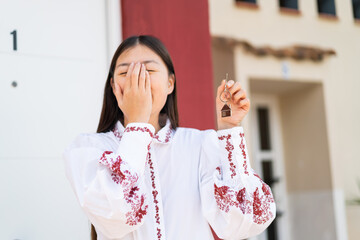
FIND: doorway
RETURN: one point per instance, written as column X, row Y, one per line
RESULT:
column 268, row 159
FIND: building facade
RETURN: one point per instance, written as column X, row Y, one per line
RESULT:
column 298, row 62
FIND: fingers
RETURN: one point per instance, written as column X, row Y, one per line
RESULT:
column 127, row 84
column 135, row 76
column 147, row 82
column 230, row 86
column 241, row 94
column 234, row 88
column 245, row 104
column 142, row 77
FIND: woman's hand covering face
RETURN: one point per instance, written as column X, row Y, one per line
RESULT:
column 135, row 100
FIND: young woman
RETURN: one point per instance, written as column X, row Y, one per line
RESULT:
column 141, row 176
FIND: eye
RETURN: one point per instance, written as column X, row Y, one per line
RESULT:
column 124, row 73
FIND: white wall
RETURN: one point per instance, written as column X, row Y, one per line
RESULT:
column 60, row 68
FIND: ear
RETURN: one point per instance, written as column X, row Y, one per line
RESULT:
column 171, row 83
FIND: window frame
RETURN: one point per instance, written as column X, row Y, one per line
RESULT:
column 326, row 15
column 356, row 18
column 246, row 4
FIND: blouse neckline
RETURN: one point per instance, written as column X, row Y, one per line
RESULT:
column 164, row 135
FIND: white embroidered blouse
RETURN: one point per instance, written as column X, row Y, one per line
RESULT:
column 135, row 184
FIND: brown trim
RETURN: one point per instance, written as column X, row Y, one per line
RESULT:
column 247, row 5
column 295, row 51
column 328, row 16
column 290, row 11
column 357, row 21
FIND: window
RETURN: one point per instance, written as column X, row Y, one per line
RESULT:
column 247, row 1
column 264, row 128
column 356, row 8
column 326, row 7
column 292, row 4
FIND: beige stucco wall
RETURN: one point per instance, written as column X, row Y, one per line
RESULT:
column 338, row 77
column 308, row 166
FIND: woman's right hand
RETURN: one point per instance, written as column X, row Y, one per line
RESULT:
column 135, row 100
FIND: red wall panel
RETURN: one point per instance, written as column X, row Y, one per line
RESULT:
column 183, row 26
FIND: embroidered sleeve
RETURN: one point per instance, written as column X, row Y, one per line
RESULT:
column 237, row 203
column 109, row 185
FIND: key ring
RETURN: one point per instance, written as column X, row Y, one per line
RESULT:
column 226, row 92
column 226, row 109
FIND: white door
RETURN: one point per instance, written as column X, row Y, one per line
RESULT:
column 268, row 160
column 53, row 66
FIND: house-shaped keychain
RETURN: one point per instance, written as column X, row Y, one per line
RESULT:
column 226, row 111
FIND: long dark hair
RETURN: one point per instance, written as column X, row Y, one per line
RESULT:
column 111, row 112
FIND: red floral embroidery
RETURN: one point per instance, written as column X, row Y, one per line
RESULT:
column 265, row 188
column 249, row 203
column 142, row 129
column 168, row 134
column 261, row 208
column 242, row 147
column 158, row 233
column 219, row 170
column 121, row 175
column 154, row 192
column 229, row 147
column 117, row 134
column 167, row 138
column 118, row 178
column 138, row 209
column 258, row 205
column 223, row 198
column 244, row 203
column 226, row 197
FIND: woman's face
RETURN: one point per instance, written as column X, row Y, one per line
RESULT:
column 161, row 83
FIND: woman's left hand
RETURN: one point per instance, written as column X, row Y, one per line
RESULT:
column 240, row 105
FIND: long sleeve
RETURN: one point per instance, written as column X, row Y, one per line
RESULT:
column 235, row 200
column 110, row 185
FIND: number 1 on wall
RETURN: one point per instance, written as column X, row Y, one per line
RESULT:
column 14, row 40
